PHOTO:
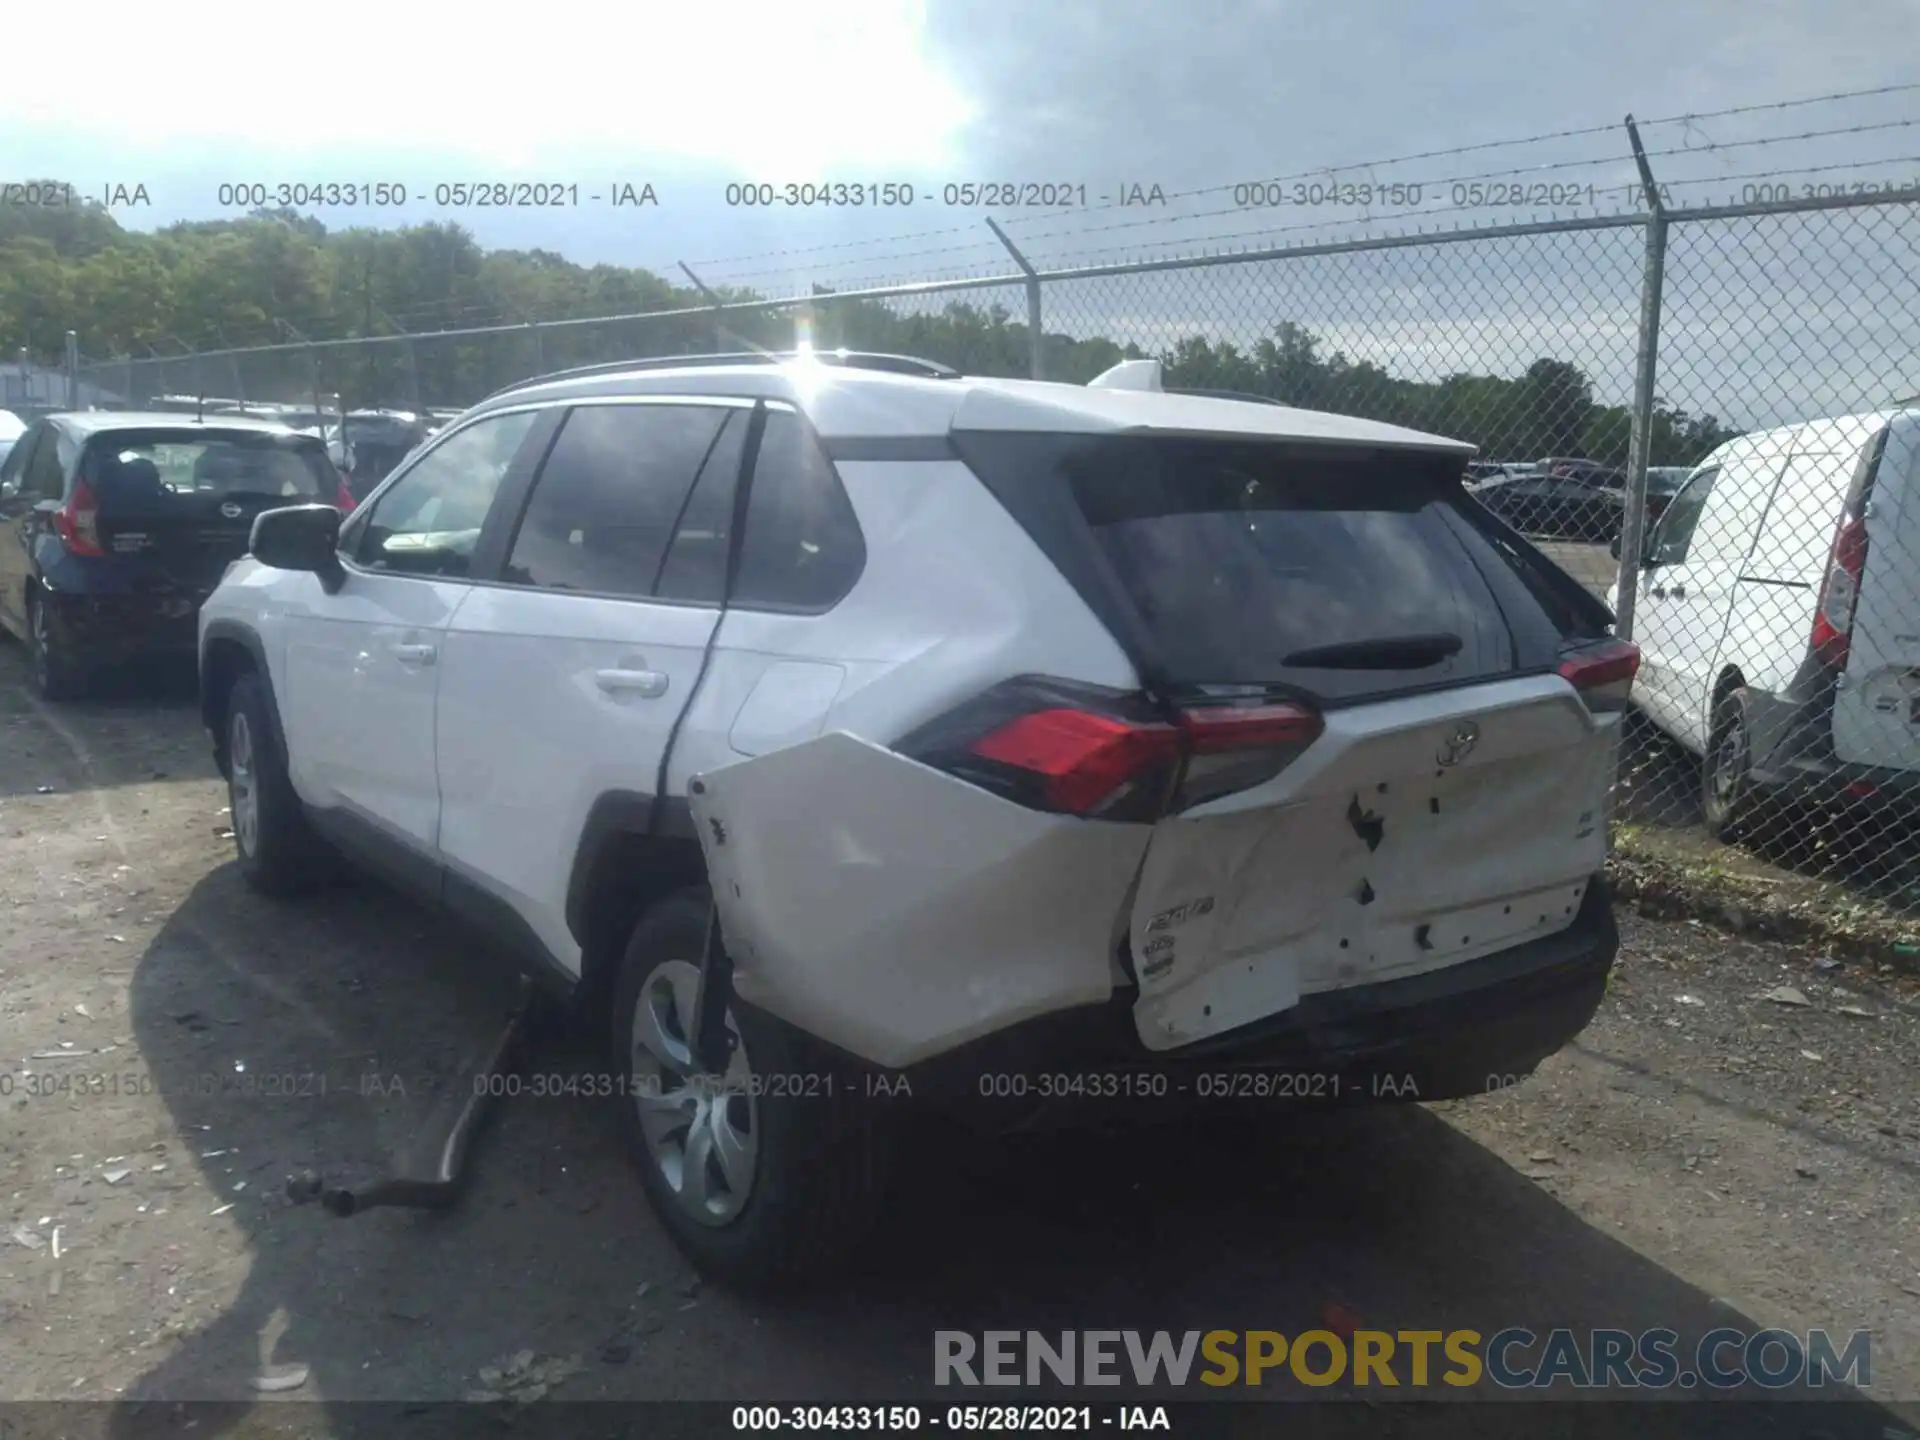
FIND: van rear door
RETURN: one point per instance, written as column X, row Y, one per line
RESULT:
column 1876, row 710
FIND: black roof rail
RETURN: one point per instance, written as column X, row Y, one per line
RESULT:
column 851, row 359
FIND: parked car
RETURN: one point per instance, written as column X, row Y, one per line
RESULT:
column 1556, row 507
column 1776, row 615
column 12, row 427
column 114, row 526
column 1023, row 730
column 375, row 442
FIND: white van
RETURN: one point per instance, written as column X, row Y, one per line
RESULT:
column 1778, row 616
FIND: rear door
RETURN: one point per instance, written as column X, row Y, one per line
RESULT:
column 564, row 676
column 1876, row 712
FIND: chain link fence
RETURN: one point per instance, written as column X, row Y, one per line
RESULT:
column 1717, row 390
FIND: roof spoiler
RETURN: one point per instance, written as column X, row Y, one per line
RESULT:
column 1129, row 375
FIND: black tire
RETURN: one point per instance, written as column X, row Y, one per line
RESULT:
column 278, row 852
column 1728, row 795
column 56, row 674
column 819, row 1167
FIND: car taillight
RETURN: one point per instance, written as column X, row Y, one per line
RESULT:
column 78, row 522
column 1602, row 672
column 1840, row 594
column 1079, row 750
column 344, row 501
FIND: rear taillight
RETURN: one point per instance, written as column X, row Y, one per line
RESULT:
column 1602, row 672
column 1840, row 594
column 1233, row 748
column 78, row 522
column 1077, row 750
column 344, row 501
column 1078, row 761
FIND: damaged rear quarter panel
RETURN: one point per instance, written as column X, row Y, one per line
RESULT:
column 897, row 912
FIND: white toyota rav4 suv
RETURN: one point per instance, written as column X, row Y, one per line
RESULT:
column 837, row 727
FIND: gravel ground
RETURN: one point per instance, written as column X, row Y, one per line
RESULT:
column 1703, row 1150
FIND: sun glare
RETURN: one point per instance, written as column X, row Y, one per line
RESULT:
column 836, row 89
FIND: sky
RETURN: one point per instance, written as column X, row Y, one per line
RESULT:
column 1093, row 96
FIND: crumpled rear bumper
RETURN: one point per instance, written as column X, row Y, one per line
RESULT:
column 1467, row 1029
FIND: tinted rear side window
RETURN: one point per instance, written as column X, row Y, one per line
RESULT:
column 802, row 550
column 1229, row 564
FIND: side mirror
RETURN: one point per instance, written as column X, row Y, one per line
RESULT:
column 1613, row 547
column 300, row 537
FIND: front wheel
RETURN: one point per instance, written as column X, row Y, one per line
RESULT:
column 278, row 852
column 767, row 1175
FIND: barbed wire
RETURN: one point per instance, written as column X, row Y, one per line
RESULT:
column 1612, row 128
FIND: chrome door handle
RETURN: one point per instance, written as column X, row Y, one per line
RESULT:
column 649, row 684
column 414, row 654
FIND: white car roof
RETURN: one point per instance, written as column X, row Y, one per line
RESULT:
column 1838, row 432
column 853, row 403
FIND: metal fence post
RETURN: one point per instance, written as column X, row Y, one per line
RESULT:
column 313, row 386
column 721, row 334
column 1633, row 520
column 73, row 370
column 1036, row 341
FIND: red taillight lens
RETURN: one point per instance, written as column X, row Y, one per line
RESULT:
column 1078, row 750
column 78, row 522
column 1081, row 760
column 1840, row 594
column 344, row 501
column 1602, row 672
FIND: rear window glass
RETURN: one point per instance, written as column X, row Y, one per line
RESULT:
column 1250, row 565
column 144, row 468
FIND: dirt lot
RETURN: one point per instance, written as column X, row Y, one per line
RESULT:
column 1702, row 1151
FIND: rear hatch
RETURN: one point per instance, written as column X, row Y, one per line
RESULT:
column 1387, row 770
column 1876, row 713
column 181, row 503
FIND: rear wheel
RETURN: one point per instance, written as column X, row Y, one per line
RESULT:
column 56, row 674
column 767, row 1175
column 278, row 852
column 1728, row 793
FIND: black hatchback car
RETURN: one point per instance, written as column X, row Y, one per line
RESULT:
column 115, row 526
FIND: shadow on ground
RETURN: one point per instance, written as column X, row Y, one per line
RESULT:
column 1224, row 1223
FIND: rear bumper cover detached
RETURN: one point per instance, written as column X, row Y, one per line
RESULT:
column 1466, row 1029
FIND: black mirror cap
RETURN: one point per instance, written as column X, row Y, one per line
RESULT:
column 1613, row 547
column 298, row 537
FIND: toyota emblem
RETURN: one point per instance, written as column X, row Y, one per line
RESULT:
column 231, row 510
column 1459, row 743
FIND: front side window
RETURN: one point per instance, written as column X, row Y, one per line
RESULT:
column 429, row 523
column 44, row 478
column 610, row 493
column 1675, row 534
